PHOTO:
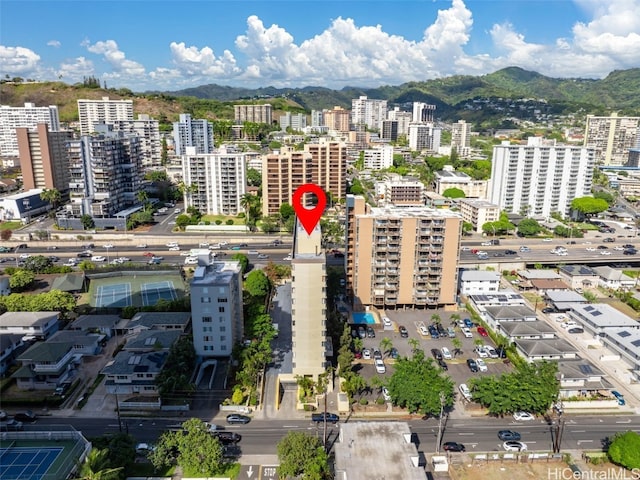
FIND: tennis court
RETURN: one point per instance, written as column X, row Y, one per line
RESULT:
column 27, row 463
column 154, row 291
column 116, row 295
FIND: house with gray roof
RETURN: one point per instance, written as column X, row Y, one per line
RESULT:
column 534, row 330
column 579, row 276
column 134, row 373
column 152, row 340
column 562, row 300
column 160, row 321
column 84, row 343
column 626, row 343
column 10, row 344
column 474, row 282
column 581, row 378
column 538, row 274
column 45, row 366
column 39, row 325
column 497, row 315
column 104, row 324
column 597, row 318
column 614, row 278
column 552, row 349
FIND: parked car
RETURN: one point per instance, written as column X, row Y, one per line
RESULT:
column 446, row 353
column 26, row 416
column 482, row 353
column 491, row 351
column 404, row 333
column 443, row 365
column 377, row 354
column 436, row 354
column 433, row 331
column 523, row 416
column 467, row 333
column 513, row 446
column 393, row 353
column 380, row 368
column 424, row 331
column 501, row 351
column 385, row 394
column 453, row 447
column 451, row 333
column 468, row 323
column 362, row 333
column 481, row 365
column 473, row 366
column 386, row 321
column 325, row 416
column 464, row 390
column 619, row 397
column 366, row 354
column 228, row 438
column 371, row 332
column 236, row 418
column 508, row 435
column 482, row 332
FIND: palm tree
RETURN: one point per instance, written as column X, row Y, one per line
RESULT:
column 252, row 207
column 52, row 196
column 435, row 318
column 142, row 197
column 97, row 466
column 414, row 344
column 358, row 344
column 457, row 346
column 455, row 318
column 386, row 345
column 187, row 191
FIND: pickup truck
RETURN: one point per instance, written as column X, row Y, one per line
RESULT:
column 320, row 417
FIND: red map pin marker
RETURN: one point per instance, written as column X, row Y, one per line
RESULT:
column 309, row 217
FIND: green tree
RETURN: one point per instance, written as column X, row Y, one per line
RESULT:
column 183, row 220
column 243, row 259
column 269, row 224
column 37, row 264
column 21, row 279
column 6, row 234
column 386, row 344
column 453, row 193
column 87, row 265
column 302, row 456
column 286, row 211
column 457, row 346
column 254, row 177
column 97, row 466
column 52, row 196
column 176, row 374
column 142, row 196
column 529, row 227
column 87, row 222
column 416, row 384
column 589, row 206
column 121, row 447
column 625, row 450
column 606, row 196
column 257, row 284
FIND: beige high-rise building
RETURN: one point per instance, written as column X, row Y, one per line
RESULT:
column 253, row 113
column 337, row 119
column 92, row 112
column 461, row 138
column 401, row 257
column 310, row 343
column 44, row 159
column 612, row 137
column 323, row 163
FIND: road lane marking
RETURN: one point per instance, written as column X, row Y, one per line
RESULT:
column 466, row 434
column 578, row 431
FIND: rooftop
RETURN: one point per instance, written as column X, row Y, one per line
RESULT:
column 536, row 327
column 153, row 340
column 218, row 273
column 479, row 275
column 538, row 274
column 410, row 212
column 601, row 315
column 95, row 321
column 565, row 296
column 24, row 319
column 510, row 312
column 546, row 347
column 578, row 270
column 128, row 363
column 159, row 319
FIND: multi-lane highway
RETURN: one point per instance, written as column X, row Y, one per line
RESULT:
column 478, row 434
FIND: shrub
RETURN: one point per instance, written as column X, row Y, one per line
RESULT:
column 380, row 401
column 364, row 401
column 229, row 222
column 218, row 222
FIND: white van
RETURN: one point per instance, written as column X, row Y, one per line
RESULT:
column 464, row 390
column 446, row 354
column 191, row 261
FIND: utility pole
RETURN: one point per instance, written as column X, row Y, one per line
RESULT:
column 118, row 411
column 439, row 439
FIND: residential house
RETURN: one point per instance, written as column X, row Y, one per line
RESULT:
column 597, row 318
column 544, row 285
column 39, row 325
column 563, row 300
column 152, row 340
column 526, row 277
column 535, row 330
column 104, row 324
column 614, row 278
column 579, row 276
column 70, row 282
column 83, row 343
column 477, row 282
column 626, row 343
column 498, row 315
column 503, row 297
column 581, row 378
column 134, row 373
column 45, row 366
column 9, row 346
column 180, row 321
column 552, row 349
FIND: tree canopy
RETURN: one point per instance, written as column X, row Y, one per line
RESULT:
column 302, row 455
column 588, row 206
column 529, row 227
column 625, row 450
column 21, row 279
column 243, row 259
column 454, row 193
column 257, row 284
column 417, row 383
column 531, row 387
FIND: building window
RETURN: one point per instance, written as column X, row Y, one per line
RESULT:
column 223, row 329
column 121, row 377
column 223, row 347
column 206, row 319
column 222, row 300
column 220, row 309
column 205, row 300
column 223, row 338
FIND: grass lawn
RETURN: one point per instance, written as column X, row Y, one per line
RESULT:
column 11, row 225
column 223, row 218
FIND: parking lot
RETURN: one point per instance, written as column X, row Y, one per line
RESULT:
column 412, row 320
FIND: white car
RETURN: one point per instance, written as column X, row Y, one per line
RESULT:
column 380, row 368
column 465, row 249
column 223, row 243
column 185, row 254
column 174, row 249
column 24, row 255
column 203, row 245
column 446, row 353
column 263, row 255
column 482, row 353
column 491, row 351
column 191, row 261
column 142, row 245
column 513, row 446
column 366, row 354
column 385, row 394
column 546, row 239
column 424, row 331
column 288, row 258
column 523, row 416
column 605, row 252
column 386, row 321
column 467, row 333
column 562, row 254
column 108, row 245
column 620, row 248
column 487, row 244
column 98, row 258
column 569, row 325
column 464, row 390
column 172, row 244
column 591, row 249
column 481, row 365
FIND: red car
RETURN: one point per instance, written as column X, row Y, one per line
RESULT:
column 148, row 254
column 482, row 332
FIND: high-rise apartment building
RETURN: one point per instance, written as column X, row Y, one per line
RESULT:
column 337, row 119
column 310, row 342
column 477, row 212
column 28, row 117
column 461, row 138
column 296, row 121
column 424, row 136
column 218, row 181
column 148, row 130
column 188, row 132
column 368, row 112
column 399, row 257
column 403, row 118
column 323, row 163
column 398, row 191
column 378, row 158
column 389, row 130
column 612, row 138
column 92, row 112
column 253, row 113
column 540, row 178
column 317, row 118
column 44, row 159
column 216, row 307
column 423, row 113
column 104, row 172
column 448, row 178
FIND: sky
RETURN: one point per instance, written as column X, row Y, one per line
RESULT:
column 169, row 45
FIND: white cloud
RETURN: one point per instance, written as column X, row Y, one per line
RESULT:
column 18, row 60
column 54, row 43
column 117, row 59
column 203, row 62
column 75, row 69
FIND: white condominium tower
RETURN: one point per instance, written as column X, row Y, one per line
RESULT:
column 188, row 132
column 29, row 117
column 106, row 111
column 540, row 178
column 612, row 138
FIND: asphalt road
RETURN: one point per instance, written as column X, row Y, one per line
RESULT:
column 478, row 434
